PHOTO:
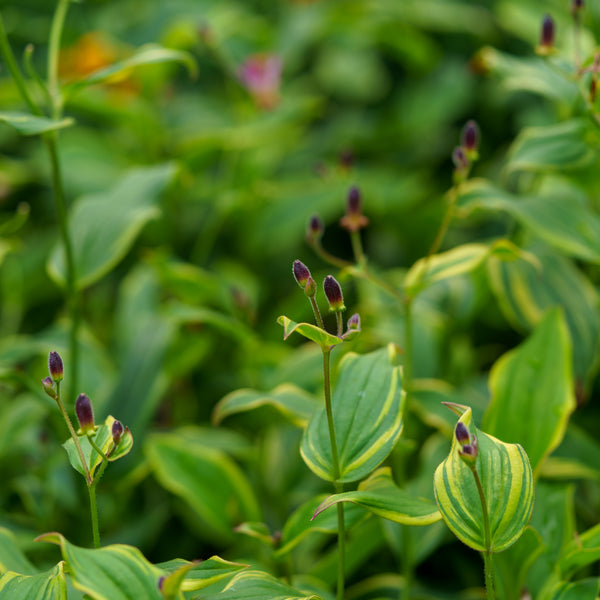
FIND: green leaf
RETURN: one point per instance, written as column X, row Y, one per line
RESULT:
column 368, row 407
column 27, row 124
column 552, row 147
column 149, row 54
column 381, row 496
column 560, row 221
column 199, row 575
column 458, row 261
column 115, row 572
column 582, row 551
column 50, row 585
column 532, row 390
column 210, row 483
column 310, row 331
column 104, row 441
column 258, row 585
column 525, row 293
column 586, row 589
column 292, row 402
column 507, row 483
column 11, row 556
column 104, row 226
column 303, row 522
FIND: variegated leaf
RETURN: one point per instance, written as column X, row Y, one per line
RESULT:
column 507, row 482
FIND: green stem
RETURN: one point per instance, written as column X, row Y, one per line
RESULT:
column 340, row 322
column 317, row 312
column 408, row 348
column 439, row 238
column 65, row 415
column 330, row 258
column 71, row 283
column 487, row 540
column 336, row 473
column 56, row 30
column 11, row 63
column 357, row 249
column 92, row 493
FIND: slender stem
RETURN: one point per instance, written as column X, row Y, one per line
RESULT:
column 357, row 248
column 340, row 322
column 94, row 514
column 330, row 258
column 65, row 415
column 317, row 312
column 11, row 63
column 408, row 348
column 71, row 283
column 58, row 22
column 487, row 555
column 336, row 474
column 439, row 238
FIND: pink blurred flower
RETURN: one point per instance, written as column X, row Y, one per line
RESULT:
column 260, row 74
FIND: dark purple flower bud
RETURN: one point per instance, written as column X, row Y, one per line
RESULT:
column 354, row 220
column 469, row 453
column 48, row 385
column 55, row 366
column 576, row 7
column 334, row 295
column 117, row 432
column 301, row 273
column 85, row 413
column 548, row 33
column 462, row 434
column 460, row 159
column 354, row 322
column 470, row 137
column 161, row 582
column 314, row 231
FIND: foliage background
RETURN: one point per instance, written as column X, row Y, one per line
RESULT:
column 187, row 312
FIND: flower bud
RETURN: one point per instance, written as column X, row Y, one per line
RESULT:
column 333, row 292
column 462, row 434
column 547, row 35
column 354, row 322
column 301, row 273
column 314, row 231
column 460, row 159
column 576, row 7
column 85, row 413
column 47, row 383
column 55, row 366
column 117, row 432
column 470, row 138
column 354, row 220
column 310, row 289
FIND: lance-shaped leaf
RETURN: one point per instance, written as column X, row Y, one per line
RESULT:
column 116, row 572
column 27, row 124
column 103, row 226
column 258, row 585
column 586, row 589
column 104, row 440
column 368, row 407
column 150, row 54
column 309, row 331
column 292, row 402
column 532, row 390
column 11, row 556
column 458, row 261
column 380, row 495
column 50, row 585
column 582, row 551
column 507, row 482
column 190, row 576
column 303, row 522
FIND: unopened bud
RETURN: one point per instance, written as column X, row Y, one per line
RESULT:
column 576, row 7
column 460, row 159
column 301, row 273
column 117, row 432
column 310, row 289
column 55, row 366
column 85, row 413
column 314, row 231
column 354, row 220
column 547, row 35
column 334, row 295
column 462, row 434
column 354, row 322
column 470, row 138
column 48, row 385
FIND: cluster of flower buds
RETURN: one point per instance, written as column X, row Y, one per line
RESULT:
column 464, row 155
column 547, row 36
column 354, row 220
column 469, row 447
column 304, row 278
column 55, row 368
